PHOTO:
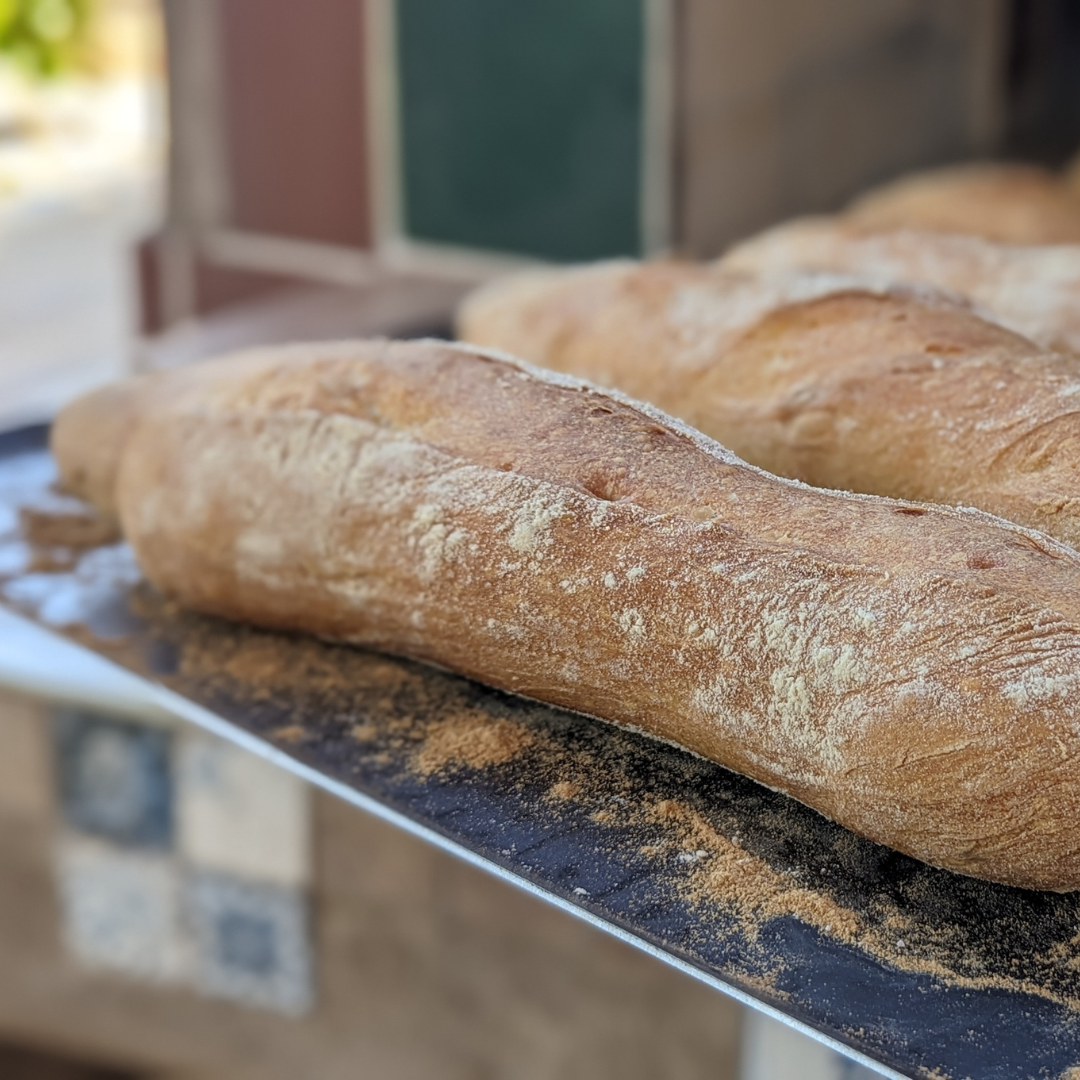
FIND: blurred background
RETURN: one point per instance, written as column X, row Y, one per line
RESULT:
column 180, row 177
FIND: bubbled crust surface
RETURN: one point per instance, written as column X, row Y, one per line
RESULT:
column 1017, row 204
column 817, row 378
column 1031, row 289
column 908, row 671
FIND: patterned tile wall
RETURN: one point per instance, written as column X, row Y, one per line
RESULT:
column 181, row 858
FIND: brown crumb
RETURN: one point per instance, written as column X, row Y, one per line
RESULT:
column 471, row 739
column 259, row 662
column 440, row 732
column 719, row 870
column 765, row 985
column 61, row 521
column 564, row 790
column 291, row 733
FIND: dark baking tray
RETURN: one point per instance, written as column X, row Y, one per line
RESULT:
column 920, row 971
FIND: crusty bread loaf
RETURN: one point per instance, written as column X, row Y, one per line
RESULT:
column 1032, row 289
column 89, row 441
column 909, row 671
column 886, row 391
column 1017, row 204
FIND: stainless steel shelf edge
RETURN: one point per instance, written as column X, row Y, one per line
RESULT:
column 135, row 696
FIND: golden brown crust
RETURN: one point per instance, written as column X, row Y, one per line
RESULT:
column 908, row 671
column 87, row 439
column 1031, row 289
column 817, row 378
column 1017, row 204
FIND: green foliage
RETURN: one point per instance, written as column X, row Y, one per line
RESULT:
column 44, row 37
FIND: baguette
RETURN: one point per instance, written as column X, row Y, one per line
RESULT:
column 908, row 671
column 1011, row 203
column 1031, row 289
column 841, row 384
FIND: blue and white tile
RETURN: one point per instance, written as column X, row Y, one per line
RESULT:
column 120, row 909
column 252, row 943
column 115, row 779
column 240, row 814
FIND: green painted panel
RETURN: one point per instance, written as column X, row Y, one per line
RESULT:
column 521, row 124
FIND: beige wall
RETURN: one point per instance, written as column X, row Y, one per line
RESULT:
column 793, row 106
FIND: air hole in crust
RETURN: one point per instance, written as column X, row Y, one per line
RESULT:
column 939, row 349
column 605, row 486
column 601, row 410
column 910, row 511
column 980, row 562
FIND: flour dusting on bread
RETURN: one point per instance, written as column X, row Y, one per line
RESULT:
column 898, row 667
